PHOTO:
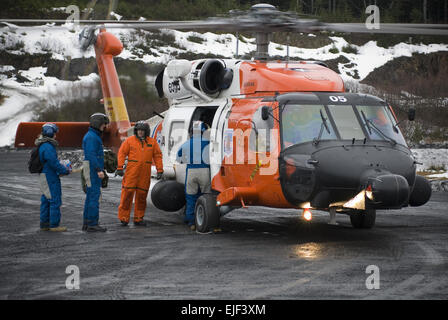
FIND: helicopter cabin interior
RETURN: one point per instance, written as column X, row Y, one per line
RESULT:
column 203, row 114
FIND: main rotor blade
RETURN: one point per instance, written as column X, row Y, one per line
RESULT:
column 249, row 23
column 387, row 28
column 80, row 21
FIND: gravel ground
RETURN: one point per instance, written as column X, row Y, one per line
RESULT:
column 262, row 253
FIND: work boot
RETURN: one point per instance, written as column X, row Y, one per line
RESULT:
column 124, row 223
column 58, row 229
column 192, row 227
column 44, row 226
column 96, row 228
column 140, row 223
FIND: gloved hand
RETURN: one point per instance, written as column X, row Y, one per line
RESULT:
column 68, row 165
column 159, row 175
column 119, row 172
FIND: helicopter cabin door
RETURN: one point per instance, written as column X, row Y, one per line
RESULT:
column 204, row 114
column 217, row 135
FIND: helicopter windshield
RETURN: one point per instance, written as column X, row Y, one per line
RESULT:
column 303, row 123
column 382, row 121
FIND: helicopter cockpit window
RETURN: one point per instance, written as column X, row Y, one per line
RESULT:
column 381, row 118
column 346, row 122
column 303, row 123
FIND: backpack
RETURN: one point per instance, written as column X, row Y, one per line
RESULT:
column 34, row 164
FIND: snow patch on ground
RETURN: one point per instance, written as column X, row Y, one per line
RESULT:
column 20, row 104
column 435, row 158
column 438, row 175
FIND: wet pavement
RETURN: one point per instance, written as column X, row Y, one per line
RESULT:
column 261, row 253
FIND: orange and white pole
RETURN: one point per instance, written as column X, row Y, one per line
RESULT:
column 106, row 47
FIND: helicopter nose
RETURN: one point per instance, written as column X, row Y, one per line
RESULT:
column 335, row 175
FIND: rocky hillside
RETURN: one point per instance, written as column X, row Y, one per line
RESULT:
column 421, row 74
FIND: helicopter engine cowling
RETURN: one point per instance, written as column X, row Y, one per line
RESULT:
column 168, row 195
column 206, row 79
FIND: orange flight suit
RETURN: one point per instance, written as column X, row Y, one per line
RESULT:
column 137, row 176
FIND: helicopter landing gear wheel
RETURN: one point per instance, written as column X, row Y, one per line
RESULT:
column 363, row 219
column 206, row 213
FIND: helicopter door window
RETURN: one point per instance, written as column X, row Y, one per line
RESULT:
column 383, row 120
column 346, row 122
column 302, row 123
column 176, row 135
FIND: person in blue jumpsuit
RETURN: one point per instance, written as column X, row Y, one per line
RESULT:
column 50, row 184
column 195, row 153
column 93, row 170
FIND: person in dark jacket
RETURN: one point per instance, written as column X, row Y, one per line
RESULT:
column 50, row 184
column 195, row 153
column 93, row 170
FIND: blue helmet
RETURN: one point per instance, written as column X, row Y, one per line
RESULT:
column 49, row 129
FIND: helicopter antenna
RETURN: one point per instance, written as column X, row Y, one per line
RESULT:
column 237, row 43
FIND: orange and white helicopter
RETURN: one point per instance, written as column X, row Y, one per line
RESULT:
column 282, row 134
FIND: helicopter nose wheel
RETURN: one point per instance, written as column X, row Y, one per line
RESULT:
column 206, row 213
column 363, row 219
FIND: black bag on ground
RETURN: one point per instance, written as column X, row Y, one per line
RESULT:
column 34, row 164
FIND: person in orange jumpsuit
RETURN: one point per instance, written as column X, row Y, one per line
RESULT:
column 141, row 150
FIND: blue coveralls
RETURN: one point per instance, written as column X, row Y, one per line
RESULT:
column 50, row 213
column 195, row 152
column 94, row 154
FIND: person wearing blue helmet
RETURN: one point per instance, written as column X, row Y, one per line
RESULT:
column 50, row 184
column 195, row 153
column 93, row 170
